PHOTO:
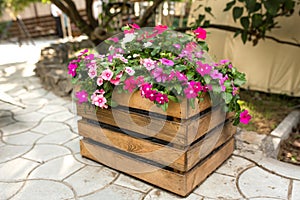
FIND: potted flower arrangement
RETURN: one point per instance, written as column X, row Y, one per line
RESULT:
column 157, row 66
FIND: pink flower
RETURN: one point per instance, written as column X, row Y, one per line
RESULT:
column 97, row 92
column 148, row 63
column 100, row 101
column 222, row 62
column 199, row 54
column 145, row 88
column 129, row 31
column 200, row 33
column 72, row 68
column 167, row 62
column 110, row 58
column 161, row 98
column 129, row 71
column 245, row 117
column 216, row 75
column 196, row 86
column 83, row 52
column 107, row 74
column 159, row 75
column 115, row 39
column 116, row 81
column 99, row 81
column 177, row 46
column 190, row 92
column 82, row 96
column 160, row 28
column 151, row 95
column 230, row 66
column 203, row 69
column 180, row 76
column 135, row 26
column 235, row 90
column 89, row 57
column 130, row 84
column 92, row 73
column 191, row 46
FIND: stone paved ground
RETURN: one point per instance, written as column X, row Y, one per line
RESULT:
column 40, row 159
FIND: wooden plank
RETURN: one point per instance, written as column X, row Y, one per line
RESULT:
column 179, row 159
column 183, row 133
column 179, row 110
column 181, row 184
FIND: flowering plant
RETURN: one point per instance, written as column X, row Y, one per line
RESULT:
column 162, row 64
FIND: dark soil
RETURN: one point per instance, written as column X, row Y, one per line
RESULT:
column 290, row 148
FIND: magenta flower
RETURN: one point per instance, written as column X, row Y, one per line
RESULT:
column 167, row 62
column 235, row 90
column 110, row 58
column 160, row 28
column 180, row 76
column 245, row 117
column 161, row 98
column 72, row 69
column 82, row 53
column 89, row 57
column 92, row 73
column 116, row 81
column 190, row 92
column 129, row 31
column 203, row 69
column 196, row 86
column 177, row 46
column 135, row 26
column 100, row 101
column 199, row 54
column 159, row 75
column 148, row 63
column 107, row 74
column 145, row 88
column 115, row 39
column 129, row 71
column 200, row 33
column 130, row 84
column 151, row 95
column 222, row 62
column 82, row 96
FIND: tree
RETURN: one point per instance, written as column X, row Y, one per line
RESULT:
column 254, row 18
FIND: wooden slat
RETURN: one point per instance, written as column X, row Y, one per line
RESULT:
column 179, row 110
column 179, row 159
column 183, row 133
column 181, row 184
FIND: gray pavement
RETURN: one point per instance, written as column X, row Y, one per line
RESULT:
column 40, row 159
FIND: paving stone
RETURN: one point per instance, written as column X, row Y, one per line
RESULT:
column 281, row 168
column 30, row 117
column 58, row 137
column 44, row 152
column 73, row 123
column 256, row 182
column 157, row 194
column 28, row 109
column 36, row 102
column 5, row 113
column 9, row 189
column 17, row 169
column 251, row 137
column 86, row 161
column 17, row 127
column 114, row 192
column 296, row 190
column 216, row 185
column 56, row 169
column 234, row 165
column 73, row 145
column 34, row 94
column 44, row 189
column 132, row 183
column 50, row 127
column 26, row 138
column 5, row 121
column 265, row 198
column 49, row 109
column 59, row 117
column 90, row 179
column 9, row 152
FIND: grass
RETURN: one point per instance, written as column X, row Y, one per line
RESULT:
column 267, row 110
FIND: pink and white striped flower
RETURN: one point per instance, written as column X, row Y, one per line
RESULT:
column 92, row 73
column 100, row 101
column 99, row 81
column 129, row 71
column 107, row 74
column 149, row 63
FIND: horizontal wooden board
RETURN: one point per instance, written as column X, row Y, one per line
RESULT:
column 179, row 110
column 181, row 184
column 180, row 159
column 181, row 133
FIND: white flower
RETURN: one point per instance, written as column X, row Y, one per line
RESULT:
column 147, row 44
column 135, row 55
column 128, row 37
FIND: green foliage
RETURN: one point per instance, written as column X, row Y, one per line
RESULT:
column 15, row 6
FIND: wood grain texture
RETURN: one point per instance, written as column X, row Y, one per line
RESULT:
column 181, row 184
column 180, row 159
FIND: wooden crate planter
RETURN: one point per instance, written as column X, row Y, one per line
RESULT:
column 175, row 150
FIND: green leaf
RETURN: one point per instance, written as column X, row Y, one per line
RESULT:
column 207, row 79
column 237, row 12
column 74, row 80
column 257, row 7
column 236, row 33
column 271, row 7
column 200, row 18
column 245, row 22
column 227, row 83
column 172, row 98
column 229, row 5
column 244, row 36
column 257, row 20
column 208, row 10
column 250, row 5
column 239, row 81
column 180, row 67
column 178, row 88
column 190, row 75
column 216, row 88
column 227, row 97
column 192, row 103
column 206, row 23
column 164, row 106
